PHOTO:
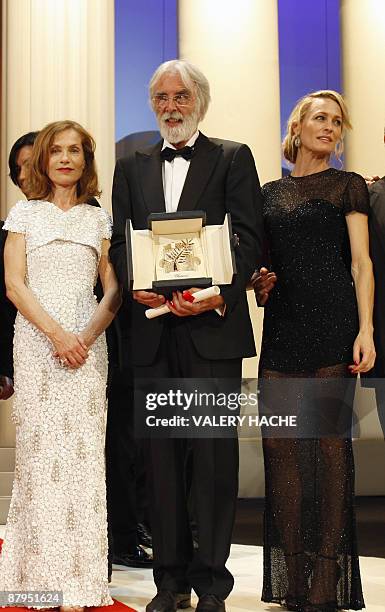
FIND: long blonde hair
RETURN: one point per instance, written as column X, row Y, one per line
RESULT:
column 289, row 147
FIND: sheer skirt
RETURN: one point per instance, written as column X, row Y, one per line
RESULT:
column 310, row 548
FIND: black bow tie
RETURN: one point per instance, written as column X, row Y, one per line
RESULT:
column 168, row 154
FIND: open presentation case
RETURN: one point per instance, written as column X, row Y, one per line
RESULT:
column 179, row 251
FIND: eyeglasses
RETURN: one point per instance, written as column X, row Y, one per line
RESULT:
column 182, row 99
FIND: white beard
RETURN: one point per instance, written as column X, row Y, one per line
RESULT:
column 181, row 132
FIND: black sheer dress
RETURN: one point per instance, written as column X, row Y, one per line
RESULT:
column 310, row 324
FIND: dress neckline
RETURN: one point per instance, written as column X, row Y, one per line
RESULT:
column 64, row 211
column 305, row 176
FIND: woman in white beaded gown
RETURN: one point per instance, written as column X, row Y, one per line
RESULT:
column 56, row 533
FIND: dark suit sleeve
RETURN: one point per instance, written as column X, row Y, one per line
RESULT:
column 7, row 316
column 377, row 213
column 244, row 203
column 7, row 319
column 377, row 253
column 121, row 210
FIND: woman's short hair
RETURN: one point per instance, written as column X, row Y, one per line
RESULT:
column 26, row 140
column 191, row 77
column 290, row 149
column 39, row 185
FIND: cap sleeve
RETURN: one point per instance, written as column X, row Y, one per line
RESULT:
column 18, row 217
column 356, row 195
column 266, row 188
column 105, row 223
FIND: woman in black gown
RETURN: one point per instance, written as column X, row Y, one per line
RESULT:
column 317, row 329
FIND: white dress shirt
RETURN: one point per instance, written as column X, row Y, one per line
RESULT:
column 174, row 175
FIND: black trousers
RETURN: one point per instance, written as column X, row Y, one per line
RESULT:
column 214, row 481
column 126, row 479
column 380, row 399
column 375, row 379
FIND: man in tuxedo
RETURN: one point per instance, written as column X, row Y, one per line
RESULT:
column 17, row 162
column 187, row 171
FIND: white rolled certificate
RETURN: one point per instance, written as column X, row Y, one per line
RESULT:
column 198, row 296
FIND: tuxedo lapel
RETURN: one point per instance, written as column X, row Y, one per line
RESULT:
column 150, row 177
column 201, row 167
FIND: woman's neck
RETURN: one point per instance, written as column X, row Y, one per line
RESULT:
column 64, row 197
column 309, row 163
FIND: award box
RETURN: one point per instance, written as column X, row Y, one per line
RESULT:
column 179, row 251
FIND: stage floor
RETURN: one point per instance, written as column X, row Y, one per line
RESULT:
column 134, row 587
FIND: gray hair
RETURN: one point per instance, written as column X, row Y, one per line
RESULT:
column 191, row 77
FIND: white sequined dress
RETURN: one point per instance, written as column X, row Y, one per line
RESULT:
column 56, row 533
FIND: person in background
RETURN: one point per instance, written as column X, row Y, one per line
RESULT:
column 7, row 317
column 17, row 162
column 126, row 489
column 376, row 376
column 128, row 510
column 19, row 157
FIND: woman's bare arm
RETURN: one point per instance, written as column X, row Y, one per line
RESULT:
column 110, row 303
column 67, row 345
column 363, row 350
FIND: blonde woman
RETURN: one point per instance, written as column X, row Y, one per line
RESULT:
column 317, row 330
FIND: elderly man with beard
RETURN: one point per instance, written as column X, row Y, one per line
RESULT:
column 186, row 170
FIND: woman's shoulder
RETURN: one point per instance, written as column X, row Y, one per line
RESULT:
column 274, row 184
column 98, row 212
column 19, row 216
column 103, row 217
column 348, row 176
column 24, row 205
column 357, row 179
column 354, row 192
column 272, row 189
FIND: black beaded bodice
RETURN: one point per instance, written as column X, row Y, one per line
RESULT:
column 311, row 315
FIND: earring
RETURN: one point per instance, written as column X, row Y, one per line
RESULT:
column 339, row 148
column 297, row 142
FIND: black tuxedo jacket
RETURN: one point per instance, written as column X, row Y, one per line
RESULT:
column 377, row 253
column 221, row 178
column 7, row 317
